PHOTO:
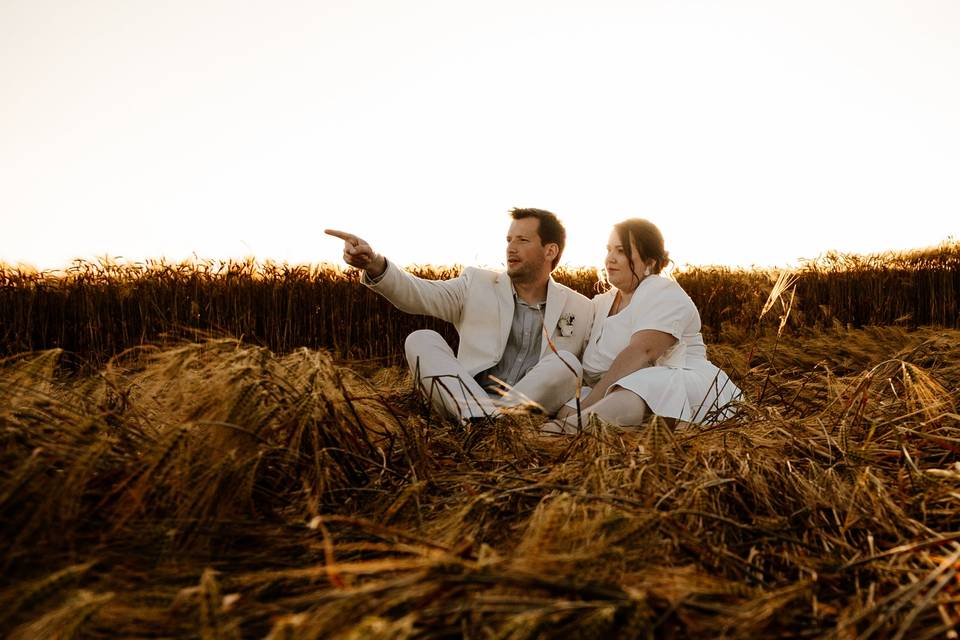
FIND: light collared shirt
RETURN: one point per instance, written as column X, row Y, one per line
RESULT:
column 523, row 346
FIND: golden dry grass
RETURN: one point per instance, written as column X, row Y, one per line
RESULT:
column 219, row 490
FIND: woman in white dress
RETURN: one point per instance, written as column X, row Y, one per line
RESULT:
column 645, row 353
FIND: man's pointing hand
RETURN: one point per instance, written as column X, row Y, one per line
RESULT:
column 357, row 253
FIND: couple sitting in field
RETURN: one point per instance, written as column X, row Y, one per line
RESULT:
column 526, row 340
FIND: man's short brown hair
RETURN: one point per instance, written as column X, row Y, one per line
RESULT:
column 549, row 230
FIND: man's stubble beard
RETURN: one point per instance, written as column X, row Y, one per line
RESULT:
column 527, row 273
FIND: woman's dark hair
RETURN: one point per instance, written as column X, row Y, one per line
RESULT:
column 647, row 238
column 550, row 228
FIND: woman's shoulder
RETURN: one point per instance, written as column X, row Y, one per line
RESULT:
column 659, row 285
column 660, row 290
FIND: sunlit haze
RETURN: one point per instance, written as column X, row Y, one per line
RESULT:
column 752, row 131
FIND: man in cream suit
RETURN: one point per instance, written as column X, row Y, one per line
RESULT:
column 521, row 333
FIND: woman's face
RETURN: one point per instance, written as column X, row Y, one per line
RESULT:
column 618, row 267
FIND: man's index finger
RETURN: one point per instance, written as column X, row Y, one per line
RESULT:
column 343, row 235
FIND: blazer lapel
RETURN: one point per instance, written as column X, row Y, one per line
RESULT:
column 556, row 298
column 505, row 301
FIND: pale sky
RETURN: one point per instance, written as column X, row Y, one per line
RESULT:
column 750, row 131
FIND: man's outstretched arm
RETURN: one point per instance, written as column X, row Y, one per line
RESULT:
column 439, row 298
column 358, row 253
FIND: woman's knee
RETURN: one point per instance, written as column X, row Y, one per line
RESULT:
column 622, row 406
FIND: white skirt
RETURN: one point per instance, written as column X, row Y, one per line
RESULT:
column 702, row 393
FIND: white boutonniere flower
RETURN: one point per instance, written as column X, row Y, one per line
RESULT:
column 565, row 324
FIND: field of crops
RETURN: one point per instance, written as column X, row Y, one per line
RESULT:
column 96, row 310
column 287, row 482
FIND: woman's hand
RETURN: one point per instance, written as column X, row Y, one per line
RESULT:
column 645, row 348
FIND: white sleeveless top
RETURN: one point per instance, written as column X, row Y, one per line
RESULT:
column 658, row 303
column 682, row 383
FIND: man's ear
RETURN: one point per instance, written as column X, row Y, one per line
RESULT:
column 552, row 249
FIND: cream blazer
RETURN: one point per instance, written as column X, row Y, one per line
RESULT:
column 479, row 303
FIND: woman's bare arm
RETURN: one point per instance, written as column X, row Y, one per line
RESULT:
column 645, row 347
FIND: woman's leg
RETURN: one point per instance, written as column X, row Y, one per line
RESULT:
column 565, row 411
column 619, row 407
column 558, row 425
column 569, row 409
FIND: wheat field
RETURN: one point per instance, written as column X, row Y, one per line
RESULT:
column 95, row 310
column 258, row 473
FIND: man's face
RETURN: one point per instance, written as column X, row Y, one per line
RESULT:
column 527, row 258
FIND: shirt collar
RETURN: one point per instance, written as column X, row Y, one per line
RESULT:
column 517, row 298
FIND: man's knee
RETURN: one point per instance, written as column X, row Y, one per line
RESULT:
column 571, row 361
column 421, row 342
column 420, row 338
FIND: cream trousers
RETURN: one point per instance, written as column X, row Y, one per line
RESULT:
column 454, row 392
